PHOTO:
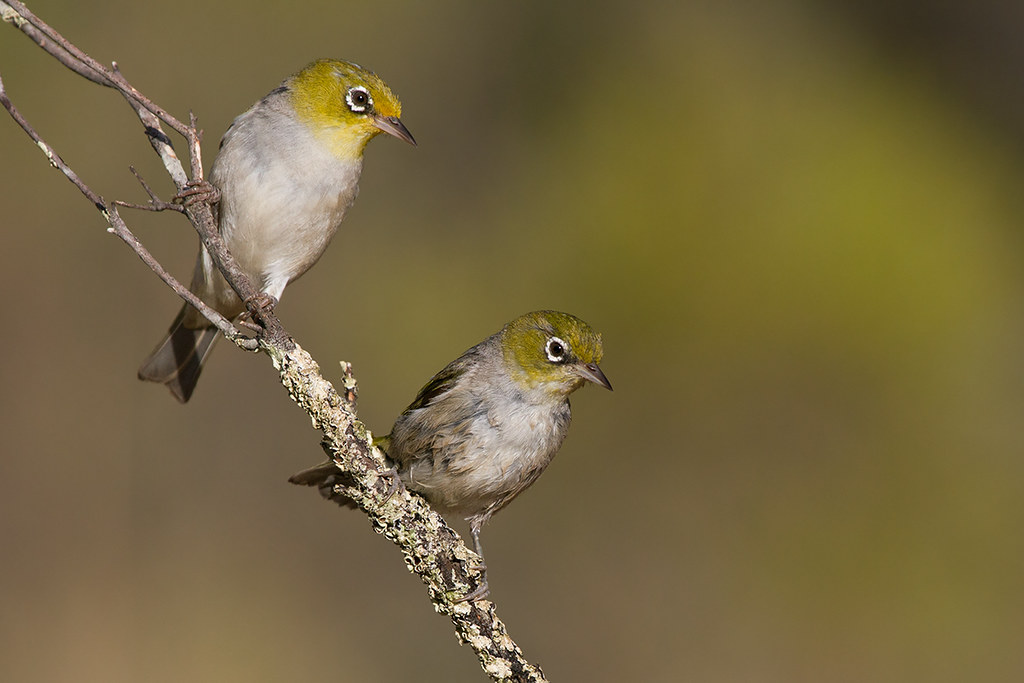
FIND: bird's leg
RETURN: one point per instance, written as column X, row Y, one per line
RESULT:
column 474, row 529
column 197, row 191
column 482, row 590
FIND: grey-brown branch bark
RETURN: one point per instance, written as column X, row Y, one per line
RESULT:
column 431, row 549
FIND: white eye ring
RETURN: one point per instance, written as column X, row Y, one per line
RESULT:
column 556, row 349
column 358, row 99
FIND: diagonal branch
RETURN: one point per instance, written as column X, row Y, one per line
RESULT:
column 431, row 549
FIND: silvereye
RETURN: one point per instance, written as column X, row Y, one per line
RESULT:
column 287, row 172
column 485, row 427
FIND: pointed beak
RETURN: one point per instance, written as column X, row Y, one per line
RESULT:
column 392, row 125
column 592, row 373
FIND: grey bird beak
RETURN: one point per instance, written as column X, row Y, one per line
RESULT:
column 592, row 373
column 393, row 126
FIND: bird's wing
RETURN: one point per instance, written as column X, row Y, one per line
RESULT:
column 439, row 384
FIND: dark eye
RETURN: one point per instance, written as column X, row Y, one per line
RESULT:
column 358, row 99
column 556, row 350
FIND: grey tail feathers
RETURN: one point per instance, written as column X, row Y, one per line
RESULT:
column 324, row 476
column 179, row 358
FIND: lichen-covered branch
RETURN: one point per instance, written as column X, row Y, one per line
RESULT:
column 431, row 549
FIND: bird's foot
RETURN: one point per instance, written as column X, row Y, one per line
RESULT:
column 260, row 304
column 197, row 191
column 396, row 482
column 481, row 591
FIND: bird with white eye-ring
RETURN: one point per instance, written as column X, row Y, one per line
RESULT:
column 284, row 178
column 486, row 426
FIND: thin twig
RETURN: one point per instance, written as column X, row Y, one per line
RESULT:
column 118, row 227
column 199, row 213
column 155, row 203
column 78, row 61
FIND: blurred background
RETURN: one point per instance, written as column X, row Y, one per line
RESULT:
column 797, row 225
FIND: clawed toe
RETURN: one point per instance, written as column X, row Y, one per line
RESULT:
column 261, row 303
column 479, row 593
column 396, row 482
column 197, row 191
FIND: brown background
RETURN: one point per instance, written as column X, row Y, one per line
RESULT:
column 797, row 227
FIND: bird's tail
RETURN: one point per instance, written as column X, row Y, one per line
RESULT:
column 325, row 476
column 178, row 359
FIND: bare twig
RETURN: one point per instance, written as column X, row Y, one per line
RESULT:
column 431, row 549
column 199, row 213
column 118, row 227
column 155, row 203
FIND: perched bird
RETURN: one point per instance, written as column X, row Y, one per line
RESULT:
column 287, row 172
column 485, row 427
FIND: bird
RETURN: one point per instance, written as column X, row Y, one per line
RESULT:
column 286, row 173
column 484, row 428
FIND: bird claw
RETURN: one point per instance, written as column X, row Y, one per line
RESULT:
column 396, row 482
column 481, row 591
column 261, row 304
column 197, row 191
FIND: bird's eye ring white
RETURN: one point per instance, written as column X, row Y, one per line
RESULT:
column 555, row 349
column 358, row 99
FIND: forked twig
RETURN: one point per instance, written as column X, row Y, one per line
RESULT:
column 118, row 227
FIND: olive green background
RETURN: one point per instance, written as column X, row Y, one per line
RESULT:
column 797, row 225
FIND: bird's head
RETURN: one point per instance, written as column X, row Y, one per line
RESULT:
column 346, row 105
column 552, row 352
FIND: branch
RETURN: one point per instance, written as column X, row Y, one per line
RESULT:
column 432, row 550
column 199, row 213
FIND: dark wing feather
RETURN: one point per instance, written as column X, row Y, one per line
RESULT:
column 439, row 384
